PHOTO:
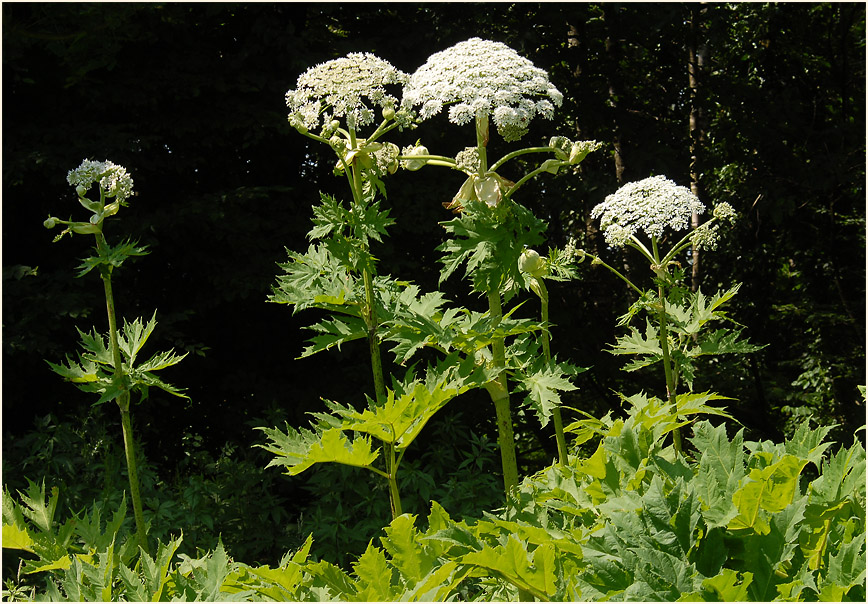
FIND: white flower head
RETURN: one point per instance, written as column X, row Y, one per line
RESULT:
column 650, row 205
column 481, row 78
column 114, row 181
column 468, row 159
column 347, row 87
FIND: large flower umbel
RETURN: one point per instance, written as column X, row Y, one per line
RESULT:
column 348, row 87
column 651, row 205
column 481, row 78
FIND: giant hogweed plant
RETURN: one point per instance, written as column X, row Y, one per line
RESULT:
column 481, row 82
column 486, row 80
column 109, row 366
column 677, row 327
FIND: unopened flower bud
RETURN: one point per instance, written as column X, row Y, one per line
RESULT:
column 415, row 164
column 81, row 190
column 50, row 223
column 389, row 113
column 296, row 122
column 531, row 263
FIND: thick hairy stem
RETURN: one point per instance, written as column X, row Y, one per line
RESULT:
column 667, row 368
column 499, row 392
column 123, row 401
column 371, row 322
column 547, row 351
column 132, row 471
column 664, row 346
column 394, row 495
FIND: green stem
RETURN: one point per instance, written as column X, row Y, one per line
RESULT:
column 597, row 260
column 556, row 412
column 664, row 346
column 394, row 495
column 373, row 344
column 123, row 400
column 499, row 392
column 515, row 154
column 369, row 315
column 523, row 180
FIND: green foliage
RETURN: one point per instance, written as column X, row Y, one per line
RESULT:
column 740, row 521
column 94, row 370
column 112, row 256
column 456, row 467
column 489, row 241
column 396, row 422
column 688, row 328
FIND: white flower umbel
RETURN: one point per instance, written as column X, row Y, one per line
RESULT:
column 348, row 87
column 114, row 181
column 480, row 78
column 651, row 205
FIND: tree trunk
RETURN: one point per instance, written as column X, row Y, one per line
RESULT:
column 697, row 54
column 612, row 47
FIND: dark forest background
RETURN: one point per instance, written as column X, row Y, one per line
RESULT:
column 760, row 105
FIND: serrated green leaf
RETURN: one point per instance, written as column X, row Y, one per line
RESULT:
column 409, row 556
column 771, row 489
column 39, row 511
column 532, row 572
column 721, row 468
column 210, row 578
column 769, row 555
column 161, row 360
column 155, row 571
column 636, row 343
column 16, row 538
column 133, row 337
column 729, row 585
column 299, row 450
column 84, row 373
column 847, row 565
column 374, row 583
column 660, row 576
column 335, row 332
column 543, row 384
column 112, row 256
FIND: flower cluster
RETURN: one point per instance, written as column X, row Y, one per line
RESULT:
column 481, row 78
column 468, row 160
column 113, row 179
column 650, row 205
column 573, row 152
column 340, row 88
column 706, row 235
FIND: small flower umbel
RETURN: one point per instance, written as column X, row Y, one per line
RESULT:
column 111, row 370
column 114, row 184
